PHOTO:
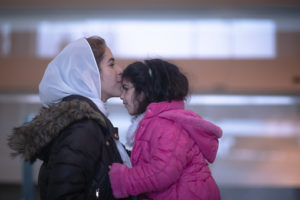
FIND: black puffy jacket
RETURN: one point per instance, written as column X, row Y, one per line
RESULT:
column 75, row 141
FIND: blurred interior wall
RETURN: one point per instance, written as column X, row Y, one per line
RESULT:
column 258, row 164
column 21, row 70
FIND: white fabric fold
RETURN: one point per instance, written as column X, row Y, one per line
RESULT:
column 123, row 154
column 129, row 140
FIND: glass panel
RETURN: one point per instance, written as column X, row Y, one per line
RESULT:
column 200, row 38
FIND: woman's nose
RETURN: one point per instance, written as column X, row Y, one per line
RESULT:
column 119, row 70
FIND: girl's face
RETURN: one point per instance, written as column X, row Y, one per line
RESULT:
column 110, row 74
column 129, row 98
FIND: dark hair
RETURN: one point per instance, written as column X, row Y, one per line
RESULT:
column 98, row 47
column 158, row 80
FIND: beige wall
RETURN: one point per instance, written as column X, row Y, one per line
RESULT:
column 21, row 71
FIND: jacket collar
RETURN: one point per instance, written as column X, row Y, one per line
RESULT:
column 82, row 98
column 29, row 139
column 154, row 109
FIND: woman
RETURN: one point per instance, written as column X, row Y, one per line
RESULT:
column 172, row 146
column 72, row 135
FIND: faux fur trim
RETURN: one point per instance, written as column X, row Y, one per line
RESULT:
column 28, row 139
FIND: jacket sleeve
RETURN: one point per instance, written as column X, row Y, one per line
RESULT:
column 169, row 149
column 73, row 160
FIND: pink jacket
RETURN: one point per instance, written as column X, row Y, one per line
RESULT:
column 169, row 157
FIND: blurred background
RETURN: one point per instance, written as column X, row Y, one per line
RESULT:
column 242, row 59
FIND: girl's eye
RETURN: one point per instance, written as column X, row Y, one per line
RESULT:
column 124, row 88
column 112, row 64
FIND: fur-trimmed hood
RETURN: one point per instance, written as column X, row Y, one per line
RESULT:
column 29, row 139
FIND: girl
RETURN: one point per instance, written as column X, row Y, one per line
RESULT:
column 172, row 146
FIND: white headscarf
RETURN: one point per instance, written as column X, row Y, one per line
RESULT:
column 73, row 71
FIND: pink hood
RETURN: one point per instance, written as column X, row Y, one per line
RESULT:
column 204, row 133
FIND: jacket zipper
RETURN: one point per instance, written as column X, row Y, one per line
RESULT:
column 97, row 193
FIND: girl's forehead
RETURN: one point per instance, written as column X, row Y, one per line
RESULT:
column 126, row 82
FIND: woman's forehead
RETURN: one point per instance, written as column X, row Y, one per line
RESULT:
column 107, row 52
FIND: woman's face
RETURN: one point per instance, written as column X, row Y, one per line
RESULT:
column 129, row 98
column 110, row 74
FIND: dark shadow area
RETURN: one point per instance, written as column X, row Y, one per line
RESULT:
column 14, row 192
column 260, row 193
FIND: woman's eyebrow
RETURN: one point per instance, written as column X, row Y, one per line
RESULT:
column 111, row 60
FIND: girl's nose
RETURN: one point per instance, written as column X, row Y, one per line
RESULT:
column 122, row 95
